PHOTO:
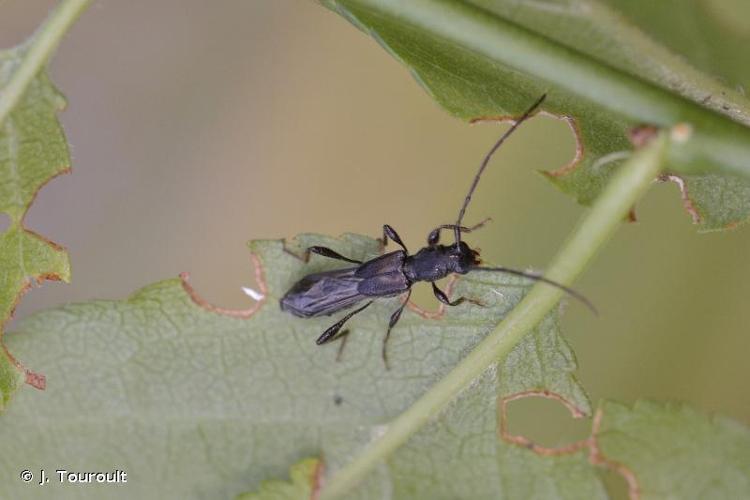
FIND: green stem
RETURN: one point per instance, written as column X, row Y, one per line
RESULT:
column 628, row 185
column 40, row 49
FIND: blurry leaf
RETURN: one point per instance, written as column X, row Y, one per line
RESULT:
column 304, row 482
column 489, row 59
column 675, row 452
column 32, row 151
column 714, row 201
column 191, row 403
column 707, row 33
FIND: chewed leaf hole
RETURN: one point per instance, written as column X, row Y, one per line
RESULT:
column 615, row 484
column 240, row 299
column 546, row 422
column 424, row 299
column 566, row 140
column 229, row 294
column 562, row 138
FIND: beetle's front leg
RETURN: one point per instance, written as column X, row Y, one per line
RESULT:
column 442, row 297
column 434, row 237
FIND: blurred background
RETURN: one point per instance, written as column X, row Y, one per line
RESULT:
column 196, row 126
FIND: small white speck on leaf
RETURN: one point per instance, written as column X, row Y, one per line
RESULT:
column 253, row 294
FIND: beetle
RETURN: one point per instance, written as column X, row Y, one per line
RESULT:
column 394, row 273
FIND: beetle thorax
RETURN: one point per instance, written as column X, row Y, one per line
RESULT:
column 436, row 262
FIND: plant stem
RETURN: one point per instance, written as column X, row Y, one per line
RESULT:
column 628, row 185
column 42, row 45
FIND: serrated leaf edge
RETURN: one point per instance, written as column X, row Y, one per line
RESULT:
column 36, row 380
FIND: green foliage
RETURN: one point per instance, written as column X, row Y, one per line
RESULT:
column 714, row 201
column 543, row 362
column 229, row 402
column 304, row 481
column 194, row 401
column 169, row 390
column 675, row 452
column 487, row 59
column 32, row 151
column 707, row 34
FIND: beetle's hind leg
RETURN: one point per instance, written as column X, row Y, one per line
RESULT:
column 434, row 237
column 442, row 297
column 331, row 332
column 327, row 252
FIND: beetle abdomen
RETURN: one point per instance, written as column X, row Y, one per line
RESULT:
column 322, row 294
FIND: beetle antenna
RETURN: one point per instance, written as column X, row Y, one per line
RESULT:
column 536, row 277
column 486, row 160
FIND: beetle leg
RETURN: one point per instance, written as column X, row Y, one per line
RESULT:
column 394, row 319
column 389, row 232
column 331, row 332
column 327, row 252
column 442, row 297
column 434, row 237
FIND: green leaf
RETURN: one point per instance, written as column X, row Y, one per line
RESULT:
column 305, row 481
column 460, row 455
column 713, row 201
column 488, row 59
column 707, row 34
column 543, row 360
column 192, row 402
column 673, row 451
column 32, row 152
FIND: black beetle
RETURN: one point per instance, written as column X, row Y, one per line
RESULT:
column 394, row 273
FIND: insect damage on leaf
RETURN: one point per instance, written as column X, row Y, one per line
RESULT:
column 598, row 458
column 524, row 441
column 245, row 396
column 33, row 151
column 439, row 311
column 541, row 365
column 687, row 203
column 659, row 449
column 569, row 121
column 713, row 202
column 469, row 73
column 260, row 296
column 670, row 449
column 234, row 401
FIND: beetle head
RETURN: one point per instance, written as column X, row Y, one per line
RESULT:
column 463, row 258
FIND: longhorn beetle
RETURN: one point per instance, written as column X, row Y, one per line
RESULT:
column 394, row 273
